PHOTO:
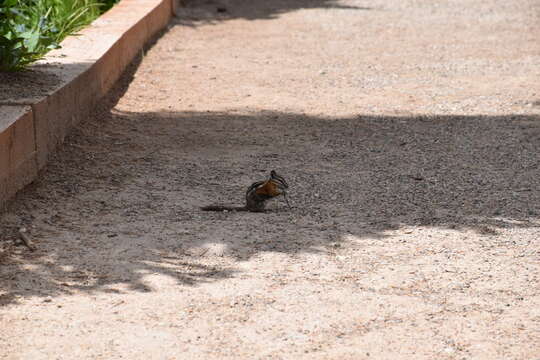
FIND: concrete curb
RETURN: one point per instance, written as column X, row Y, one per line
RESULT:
column 87, row 66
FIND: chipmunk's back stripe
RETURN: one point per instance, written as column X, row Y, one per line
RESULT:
column 254, row 186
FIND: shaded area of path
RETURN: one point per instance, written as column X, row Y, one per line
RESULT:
column 195, row 13
column 413, row 163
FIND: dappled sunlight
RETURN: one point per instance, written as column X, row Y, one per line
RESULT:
column 57, row 272
column 350, row 188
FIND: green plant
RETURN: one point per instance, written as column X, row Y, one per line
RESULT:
column 30, row 28
column 64, row 17
column 21, row 40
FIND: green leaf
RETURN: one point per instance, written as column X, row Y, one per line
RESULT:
column 32, row 41
column 10, row 3
column 20, row 28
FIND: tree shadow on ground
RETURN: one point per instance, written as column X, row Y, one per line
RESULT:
column 121, row 201
column 194, row 12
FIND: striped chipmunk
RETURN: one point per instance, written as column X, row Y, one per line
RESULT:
column 257, row 195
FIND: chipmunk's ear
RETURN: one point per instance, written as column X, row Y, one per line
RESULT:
column 273, row 174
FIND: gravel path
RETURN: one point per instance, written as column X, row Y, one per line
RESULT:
column 409, row 132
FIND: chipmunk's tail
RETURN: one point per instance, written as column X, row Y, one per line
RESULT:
column 223, row 208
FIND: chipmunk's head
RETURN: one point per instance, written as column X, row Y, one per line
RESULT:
column 279, row 182
column 281, row 185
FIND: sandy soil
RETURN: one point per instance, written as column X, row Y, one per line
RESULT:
column 409, row 132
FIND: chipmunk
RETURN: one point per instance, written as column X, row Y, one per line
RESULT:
column 257, row 195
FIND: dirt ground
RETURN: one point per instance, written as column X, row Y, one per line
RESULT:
column 409, row 132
